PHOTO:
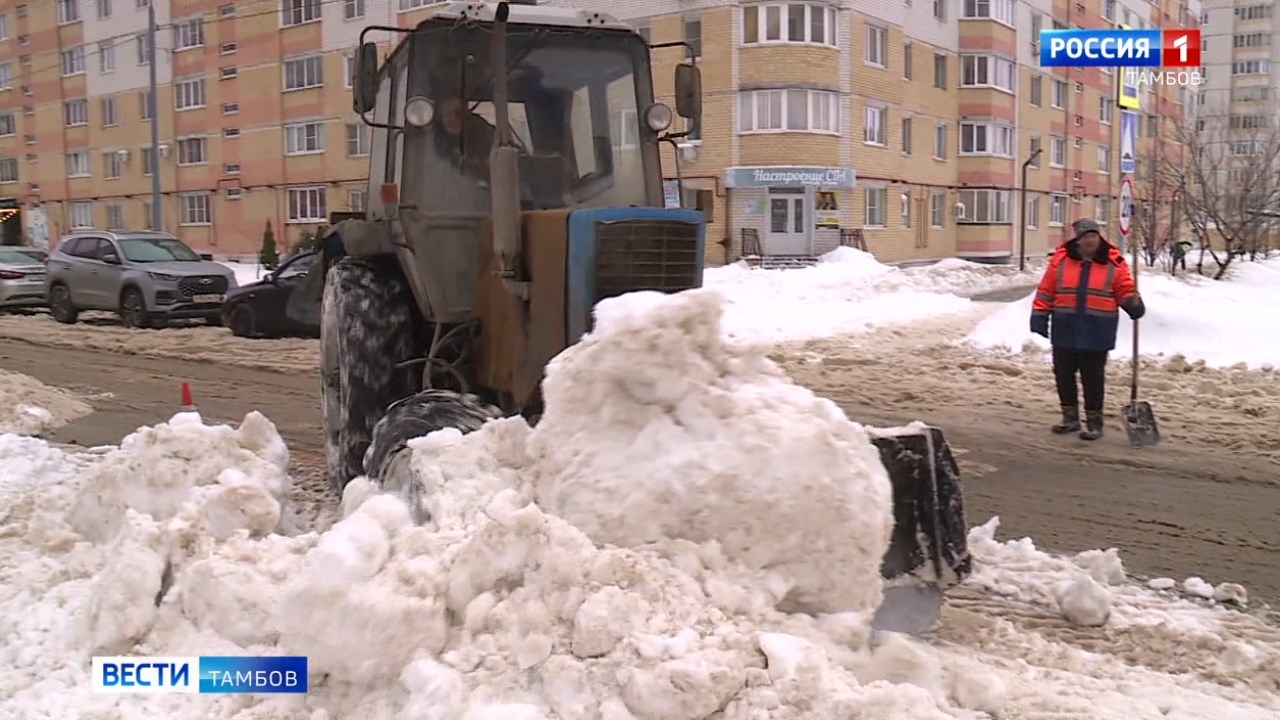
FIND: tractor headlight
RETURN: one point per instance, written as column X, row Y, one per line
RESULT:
column 658, row 117
column 419, row 112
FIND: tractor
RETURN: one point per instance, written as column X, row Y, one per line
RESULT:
column 514, row 182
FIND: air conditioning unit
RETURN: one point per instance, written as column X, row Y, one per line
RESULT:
column 164, row 151
column 1077, row 175
column 959, row 211
column 1079, row 121
column 123, row 155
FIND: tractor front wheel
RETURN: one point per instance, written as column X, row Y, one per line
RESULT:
column 366, row 329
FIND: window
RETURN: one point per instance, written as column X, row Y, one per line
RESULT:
column 1037, row 91
column 228, row 48
column 193, row 151
column 349, row 70
column 111, row 165
column 788, row 110
column 1105, row 108
column 104, row 9
column 194, row 209
column 357, row 139
column 1033, row 213
column 107, row 106
column 296, row 12
column 940, row 141
column 144, row 104
column 4, row 26
column 81, row 215
column 998, row 10
column 228, row 73
column 411, row 4
column 986, row 139
column 1248, row 40
column 1103, row 209
column 940, row 71
column 986, row 71
column 1251, row 67
column 75, row 112
column 188, row 34
column 1033, row 155
column 231, row 168
column 306, row 72
column 303, row 138
column 8, row 170
column 906, row 136
column 188, row 94
column 874, row 200
column 940, row 9
column 68, row 11
column 1104, row 160
column 875, row 52
column 352, row 9
column 356, row 200
column 230, row 108
column 115, row 216
column 1059, row 99
column 144, row 50
column 1057, row 152
column 1109, row 10
column 6, row 77
column 1058, row 210
column 906, row 210
column 8, row 126
column 693, row 35
column 231, row 132
column 307, row 204
column 874, row 130
column 106, row 57
column 78, row 163
column 148, row 164
column 908, row 51
column 790, row 23
column 150, row 219
column 986, row 207
column 73, row 61
column 938, row 209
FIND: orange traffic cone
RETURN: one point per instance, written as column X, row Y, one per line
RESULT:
column 188, row 404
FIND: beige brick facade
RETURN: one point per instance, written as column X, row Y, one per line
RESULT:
column 934, row 113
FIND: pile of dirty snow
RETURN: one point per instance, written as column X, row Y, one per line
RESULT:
column 29, row 407
column 643, row 554
column 1223, row 323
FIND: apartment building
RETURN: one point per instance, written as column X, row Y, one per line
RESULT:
column 904, row 121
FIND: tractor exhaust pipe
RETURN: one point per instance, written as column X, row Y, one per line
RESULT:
column 504, row 167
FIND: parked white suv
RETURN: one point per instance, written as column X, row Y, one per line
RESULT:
column 147, row 277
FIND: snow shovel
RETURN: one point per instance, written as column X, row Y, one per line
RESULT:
column 928, row 551
column 1139, row 418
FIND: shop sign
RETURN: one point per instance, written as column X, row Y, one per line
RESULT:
column 785, row 176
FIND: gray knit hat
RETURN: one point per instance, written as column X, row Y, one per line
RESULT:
column 1086, row 225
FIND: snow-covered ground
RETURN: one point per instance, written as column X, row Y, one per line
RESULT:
column 1220, row 322
column 624, row 560
column 29, row 407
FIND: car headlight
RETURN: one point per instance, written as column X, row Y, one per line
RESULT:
column 658, row 117
column 162, row 277
column 419, row 112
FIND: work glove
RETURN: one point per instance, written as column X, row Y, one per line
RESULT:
column 1134, row 307
column 1040, row 324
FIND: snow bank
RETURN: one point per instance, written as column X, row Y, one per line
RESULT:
column 848, row 292
column 29, row 407
column 1220, row 322
column 636, row 557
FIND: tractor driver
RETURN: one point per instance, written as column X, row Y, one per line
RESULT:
column 463, row 137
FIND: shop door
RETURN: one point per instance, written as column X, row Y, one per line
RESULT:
column 789, row 222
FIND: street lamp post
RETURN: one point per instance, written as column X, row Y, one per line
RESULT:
column 1022, row 215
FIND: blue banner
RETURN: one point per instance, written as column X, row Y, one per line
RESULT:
column 1100, row 48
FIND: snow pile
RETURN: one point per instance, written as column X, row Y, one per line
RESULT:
column 1223, row 323
column 638, row 556
column 29, row 407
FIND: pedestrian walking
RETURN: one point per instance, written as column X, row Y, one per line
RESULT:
column 1077, row 308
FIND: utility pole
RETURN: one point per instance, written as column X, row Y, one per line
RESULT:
column 153, row 96
column 1022, row 197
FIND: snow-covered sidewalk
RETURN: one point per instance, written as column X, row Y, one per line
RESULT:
column 622, row 561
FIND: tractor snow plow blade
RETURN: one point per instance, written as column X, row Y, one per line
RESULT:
column 929, row 551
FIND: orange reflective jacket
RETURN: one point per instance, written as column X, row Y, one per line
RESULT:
column 1084, row 296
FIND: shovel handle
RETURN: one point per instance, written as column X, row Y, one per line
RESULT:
column 1133, row 381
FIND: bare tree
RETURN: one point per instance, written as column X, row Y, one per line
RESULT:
column 1227, row 180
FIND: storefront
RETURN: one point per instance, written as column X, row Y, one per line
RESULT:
column 794, row 210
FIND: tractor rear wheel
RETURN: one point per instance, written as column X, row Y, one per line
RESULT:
column 367, row 328
column 413, row 417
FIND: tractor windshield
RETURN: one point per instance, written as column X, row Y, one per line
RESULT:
column 573, row 108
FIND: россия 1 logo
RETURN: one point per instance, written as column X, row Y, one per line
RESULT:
column 1120, row 48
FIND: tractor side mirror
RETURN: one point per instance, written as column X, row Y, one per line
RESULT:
column 364, row 80
column 689, row 91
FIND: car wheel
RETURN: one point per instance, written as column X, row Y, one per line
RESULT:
column 242, row 321
column 133, row 309
column 60, row 306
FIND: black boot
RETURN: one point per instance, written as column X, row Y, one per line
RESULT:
column 1070, row 421
column 1092, row 426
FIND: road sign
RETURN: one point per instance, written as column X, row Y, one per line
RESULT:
column 1126, row 206
column 1128, row 142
